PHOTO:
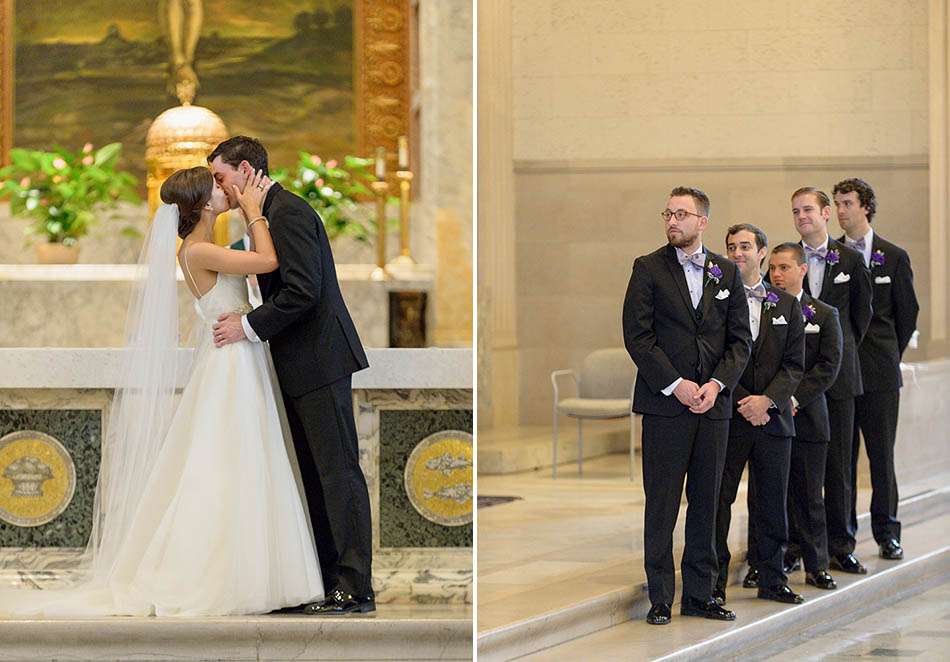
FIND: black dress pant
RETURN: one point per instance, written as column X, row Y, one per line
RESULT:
column 768, row 458
column 838, row 477
column 875, row 416
column 691, row 448
column 324, row 435
column 807, row 530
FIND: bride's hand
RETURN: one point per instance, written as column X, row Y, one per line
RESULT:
column 251, row 199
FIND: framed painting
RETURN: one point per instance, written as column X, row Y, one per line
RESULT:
column 326, row 76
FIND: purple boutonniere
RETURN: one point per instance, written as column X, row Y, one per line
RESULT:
column 833, row 257
column 715, row 273
column 877, row 258
column 808, row 312
column 770, row 300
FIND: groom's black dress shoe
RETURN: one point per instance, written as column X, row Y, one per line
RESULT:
column 707, row 609
column 891, row 550
column 751, row 579
column 659, row 614
column 821, row 579
column 848, row 563
column 780, row 593
column 338, row 603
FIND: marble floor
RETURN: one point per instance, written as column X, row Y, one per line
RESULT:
column 569, row 540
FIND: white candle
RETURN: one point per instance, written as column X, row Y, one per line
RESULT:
column 403, row 153
column 380, row 163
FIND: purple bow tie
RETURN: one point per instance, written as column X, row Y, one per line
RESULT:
column 820, row 253
column 757, row 292
column 697, row 259
column 858, row 245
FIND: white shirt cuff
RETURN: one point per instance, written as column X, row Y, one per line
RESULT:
column 672, row 387
column 248, row 331
column 794, row 402
column 722, row 387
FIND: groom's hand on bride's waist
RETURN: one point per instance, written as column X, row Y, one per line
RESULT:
column 228, row 329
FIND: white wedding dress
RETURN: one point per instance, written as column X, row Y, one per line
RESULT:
column 221, row 527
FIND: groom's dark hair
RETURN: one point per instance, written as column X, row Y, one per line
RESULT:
column 241, row 148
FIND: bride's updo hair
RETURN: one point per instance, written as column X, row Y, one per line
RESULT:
column 190, row 189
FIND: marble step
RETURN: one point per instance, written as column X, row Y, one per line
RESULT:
column 619, row 606
column 763, row 629
column 434, row 632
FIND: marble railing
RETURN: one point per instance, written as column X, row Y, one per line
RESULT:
column 408, row 399
column 84, row 305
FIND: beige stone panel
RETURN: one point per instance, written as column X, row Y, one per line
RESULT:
column 856, row 13
column 600, row 269
column 544, row 320
column 755, row 15
column 711, row 50
column 453, row 286
column 919, row 36
column 904, row 89
column 804, row 47
column 870, row 134
column 873, row 48
column 721, row 93
column 627, row 50
column 686, row 14
column 829, row 91
column 505, row 374
column 611, row 15
column 597, row 320
column 551, row 53
column 919, row 132
column 607, row 96
column 535, row 390
column 533, row 97
column 542, row 267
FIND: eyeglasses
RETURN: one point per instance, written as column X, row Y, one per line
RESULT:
column 680, row 214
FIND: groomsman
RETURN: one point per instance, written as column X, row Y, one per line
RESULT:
column 761, row 430
column 892, row 325
column 686, row 326
column 837, row 276
column 823, row 345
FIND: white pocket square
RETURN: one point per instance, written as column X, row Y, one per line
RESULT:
column 842, row 278
column 882, row 279
column 812, row 328
column 723, row 294
column 776, row 321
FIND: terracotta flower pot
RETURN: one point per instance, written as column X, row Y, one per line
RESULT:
column 52, row 253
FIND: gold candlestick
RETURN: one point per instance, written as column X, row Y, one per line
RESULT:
column 381, row 189
column 404, row 259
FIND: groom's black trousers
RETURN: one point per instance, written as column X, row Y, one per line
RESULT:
column 675, row 448
column 324, row 435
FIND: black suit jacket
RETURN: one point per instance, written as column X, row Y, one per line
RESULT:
column 823, row 349
column 312, row 338
column 853, row 301
column 668, row 338
column 894, row 319
column 777, row 362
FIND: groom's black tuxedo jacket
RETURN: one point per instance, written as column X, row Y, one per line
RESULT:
column 894, row 319
column 823, row 346
column 777, row 362
column 668, row 338
column 312, row 338
column 852, row 297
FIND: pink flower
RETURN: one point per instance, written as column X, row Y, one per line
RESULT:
column 25, row 182
column 318, row 183
column 316, row 160
column 87, row 148
column 331, row 164
column 88, row 160
column 59, row 164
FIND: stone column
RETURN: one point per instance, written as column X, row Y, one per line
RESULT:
column 939, row 299
column 445, row 70
column 498, row 364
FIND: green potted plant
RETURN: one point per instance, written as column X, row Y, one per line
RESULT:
column 333, row 190
column 59, row 191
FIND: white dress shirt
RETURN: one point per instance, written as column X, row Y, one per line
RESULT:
column 816, row 270
column 866, row 253
column 755, row 310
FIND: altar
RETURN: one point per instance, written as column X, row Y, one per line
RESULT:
column 412, row 406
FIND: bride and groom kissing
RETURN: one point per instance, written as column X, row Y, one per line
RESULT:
column 244, row 495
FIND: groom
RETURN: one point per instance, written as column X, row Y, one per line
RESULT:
column 316, row 350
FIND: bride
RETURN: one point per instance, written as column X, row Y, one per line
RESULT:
column 198, row 511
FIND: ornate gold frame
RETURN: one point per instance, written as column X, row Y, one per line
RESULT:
column 381, row 55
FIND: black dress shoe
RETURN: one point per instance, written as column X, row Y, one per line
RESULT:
column 821, row 579
column 791, row 564
column 848, row 563
column 719, row 595
column 707, row 609
column 780, row 593
column 338, row 603
column 659, row 614
column 891, row 550
column 751, row 579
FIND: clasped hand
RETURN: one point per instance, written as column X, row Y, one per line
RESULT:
column 754, row 408
column 699, row 399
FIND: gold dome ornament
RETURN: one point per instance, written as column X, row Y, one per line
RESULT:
column 182, row 137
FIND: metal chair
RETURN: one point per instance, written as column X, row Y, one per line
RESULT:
column 604, row 391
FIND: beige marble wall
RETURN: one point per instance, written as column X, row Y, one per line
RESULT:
column 719, row 78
